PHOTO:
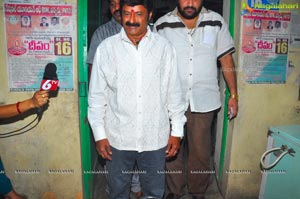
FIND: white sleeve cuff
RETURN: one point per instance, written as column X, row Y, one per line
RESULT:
column 177, row 131
column 99, row 133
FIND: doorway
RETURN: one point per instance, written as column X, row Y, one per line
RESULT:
column 98, row 14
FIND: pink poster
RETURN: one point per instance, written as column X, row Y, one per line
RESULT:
column 36, row 35
column 265, row 44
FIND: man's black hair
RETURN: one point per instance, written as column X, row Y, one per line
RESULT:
column 148, row 4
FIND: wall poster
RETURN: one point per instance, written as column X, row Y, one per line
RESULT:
column 38, row 34
column 265, row 44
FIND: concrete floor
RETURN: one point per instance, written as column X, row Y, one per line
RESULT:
column 100, row 186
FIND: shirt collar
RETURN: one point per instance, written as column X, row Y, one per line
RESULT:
column 125, row 38
column 115, row 22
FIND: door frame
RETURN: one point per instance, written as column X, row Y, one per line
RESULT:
column 85, row 134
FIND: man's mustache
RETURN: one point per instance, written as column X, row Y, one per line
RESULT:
column 132, row 24
column 190, row 7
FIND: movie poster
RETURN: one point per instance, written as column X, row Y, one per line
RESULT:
column 36, row 35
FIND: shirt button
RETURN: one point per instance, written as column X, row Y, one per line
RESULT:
column 191, row 74
column 191, row 59
column 192, row 45
column 190, row 89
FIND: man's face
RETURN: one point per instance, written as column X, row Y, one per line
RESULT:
column 114, row 6
column 257, row 22
column 135, row 20
column 25, row 19
column 189, row 9
column 54, row 21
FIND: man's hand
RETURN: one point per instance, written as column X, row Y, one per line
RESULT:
column 173, row 146
column 232, row 108
column 103, row 149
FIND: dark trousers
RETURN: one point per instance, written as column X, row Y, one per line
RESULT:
column 193, row 158
column 150, row 165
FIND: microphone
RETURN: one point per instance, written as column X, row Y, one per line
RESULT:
column 49, row 82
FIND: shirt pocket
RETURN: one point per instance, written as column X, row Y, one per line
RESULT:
column 209, row 36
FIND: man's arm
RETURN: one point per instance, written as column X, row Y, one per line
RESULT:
column 175, row 106
column 95, row 41
column 90, row 72
column 97, row 105
column 229, row 73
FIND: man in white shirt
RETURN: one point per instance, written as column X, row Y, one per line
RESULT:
column 200, row 37
column 108, row 29
column 134, row 94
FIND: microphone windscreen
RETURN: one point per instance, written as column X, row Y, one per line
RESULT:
column 50, row 72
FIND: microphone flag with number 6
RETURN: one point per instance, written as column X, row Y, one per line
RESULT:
column 49, row 81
